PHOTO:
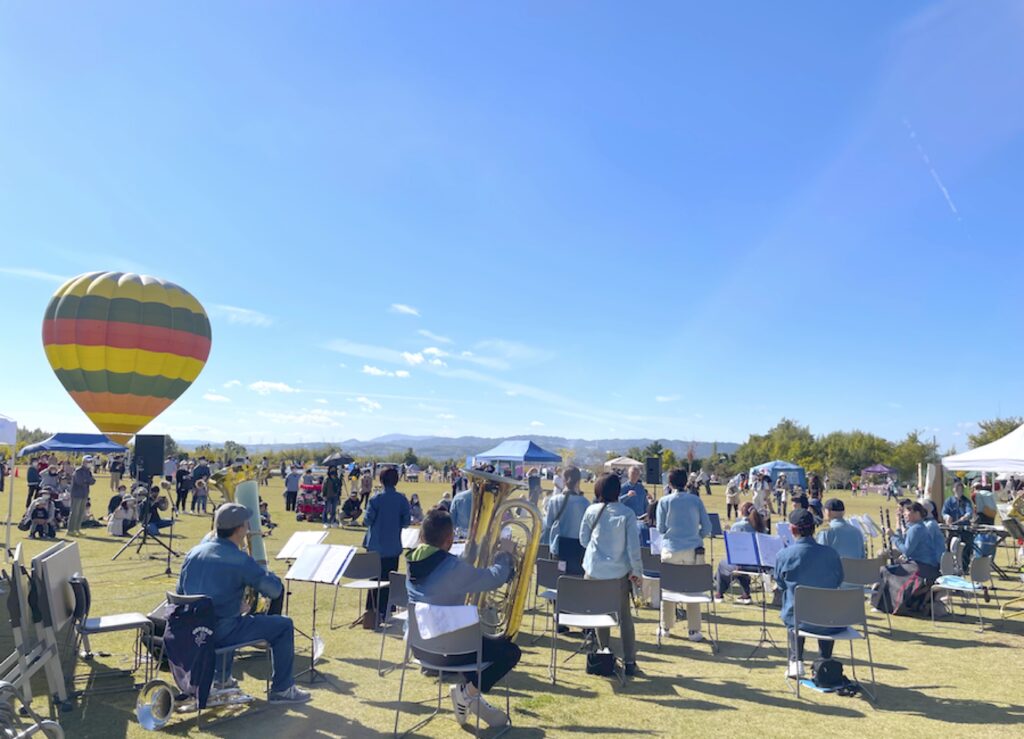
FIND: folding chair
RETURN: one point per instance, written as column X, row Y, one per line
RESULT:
column 980, row 575
column 826, row 607
column 398, row 604
column 363, row 571
column 86, row 626
column 547, row 573
column 651, row 577
column 947, row 564
column 585, row 604
column 863, row 573
column 428, row 652
column 690, row 584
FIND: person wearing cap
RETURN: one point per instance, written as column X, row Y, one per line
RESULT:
column 957, row 511
column 81, row 481
column 219, row 568
column 805, row 562
column 841, row 535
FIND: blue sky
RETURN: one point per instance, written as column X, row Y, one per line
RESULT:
column 680, row 220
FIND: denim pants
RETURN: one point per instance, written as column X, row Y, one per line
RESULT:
column 277, row 631
column 330, row 510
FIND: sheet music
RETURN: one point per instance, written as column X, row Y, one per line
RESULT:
column 323, row 563
column 410, row 537
column 741, row 548
column 856, row 523
column 873, row 528
column 784, row 533
column 655, row 541
column 299, row 541
column 458, row 549
column 768, row 548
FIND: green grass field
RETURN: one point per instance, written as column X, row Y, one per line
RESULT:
column 947, row 680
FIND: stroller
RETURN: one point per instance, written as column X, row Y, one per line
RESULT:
column 309, row 505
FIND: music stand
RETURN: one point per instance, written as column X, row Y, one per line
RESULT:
column 319, row 564
column 716, row 530
column 755, row 550
column 291, row 551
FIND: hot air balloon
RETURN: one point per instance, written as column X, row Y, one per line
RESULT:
column 125, row 346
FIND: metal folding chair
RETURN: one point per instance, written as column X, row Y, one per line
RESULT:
column 979, row 577
column 547, row 573
column 690, row 584
column 841, row 609
column 428, row 652
column 398, row 605
column 864, row 573
column 362, row 573
column 585, row 604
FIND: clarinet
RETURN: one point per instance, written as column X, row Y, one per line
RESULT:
column 888, row 526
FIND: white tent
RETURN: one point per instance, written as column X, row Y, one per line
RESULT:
column 621, row 462
column 1002, row 455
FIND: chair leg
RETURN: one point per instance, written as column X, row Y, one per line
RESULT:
column 871, row 661
column 401, row 687
column 380, row 658
column 553, row 667
column 977, row 605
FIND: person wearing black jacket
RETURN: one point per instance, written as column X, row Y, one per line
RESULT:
column 332, row 489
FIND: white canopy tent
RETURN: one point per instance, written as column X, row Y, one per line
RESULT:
column 621, row 462
column 1001, row 455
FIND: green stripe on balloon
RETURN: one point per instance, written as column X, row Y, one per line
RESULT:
column 121, row 383
column 129, row 311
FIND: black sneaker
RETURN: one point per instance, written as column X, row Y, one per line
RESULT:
column 632, row 670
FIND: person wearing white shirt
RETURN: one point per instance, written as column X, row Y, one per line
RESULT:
column 558, row 481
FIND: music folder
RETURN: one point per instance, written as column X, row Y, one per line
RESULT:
column 321, row 563
column 752, row 550
column 299, row 541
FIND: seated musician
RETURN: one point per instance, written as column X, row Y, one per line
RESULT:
column 439, row 578
column 957, row 512
column 220, row 569
column 921, row 548
column 751, row 522
column 985, row 510
column 841, row 535
column 806, row 562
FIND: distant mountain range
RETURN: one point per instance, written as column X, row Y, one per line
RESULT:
column 441, row 447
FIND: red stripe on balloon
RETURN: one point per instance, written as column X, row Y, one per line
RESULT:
column 121, row 335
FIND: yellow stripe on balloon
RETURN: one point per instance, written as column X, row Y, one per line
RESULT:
column 111, row 359
column 119, row 422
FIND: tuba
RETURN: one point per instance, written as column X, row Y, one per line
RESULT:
column 240, row 484
column 495, row 512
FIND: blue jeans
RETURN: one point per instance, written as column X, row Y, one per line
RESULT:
column 154, row 527
column 277, row 631
column 330, row 510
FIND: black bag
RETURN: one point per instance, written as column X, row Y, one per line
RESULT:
column 827, row 673
column 601, row 662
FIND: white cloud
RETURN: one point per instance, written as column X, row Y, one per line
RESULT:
column 433, row 351
column 406, row 310
column 666, row 398
column 467, row 353
column 35, row 274
column 305, row 417
column 232, row 383
column 513, row 350
column 342, row 365
column 216, row 398
column 321, row 400
column 368, row 405
column 434, row 337
column 536, row 424
column 413, row 359
column 446, row 416
column 438, row 362
column 401, row 373
column 242, row 316
column 364, row 351
column 369, row 369
column 264, row 387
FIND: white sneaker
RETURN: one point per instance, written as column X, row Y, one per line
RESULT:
column 696, row 636
column 294, row 694
column 744, row 601
column 719, row 599
column 662, row 633
column 460, row 703
column 796, row 669
column 327, row 526
column 489, row 714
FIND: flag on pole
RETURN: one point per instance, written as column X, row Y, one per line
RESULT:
column 8, row 430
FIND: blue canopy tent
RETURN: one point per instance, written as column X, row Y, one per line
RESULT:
column 83, row 443
column 795, row 474
column 517, row 450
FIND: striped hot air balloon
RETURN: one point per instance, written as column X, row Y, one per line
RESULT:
column 125, row 346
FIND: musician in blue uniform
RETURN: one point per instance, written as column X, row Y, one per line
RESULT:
column 841, row 535
column 219, row 569
column 805, row 562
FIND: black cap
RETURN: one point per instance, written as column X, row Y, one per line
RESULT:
column 834, row 504
column 802, row 518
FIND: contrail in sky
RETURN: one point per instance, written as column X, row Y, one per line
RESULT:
column 931, row 169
